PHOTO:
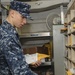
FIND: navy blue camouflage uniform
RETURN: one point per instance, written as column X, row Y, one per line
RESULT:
column 12, row 61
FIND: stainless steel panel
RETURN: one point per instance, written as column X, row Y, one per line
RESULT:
column 35, row 34
column 59, row 48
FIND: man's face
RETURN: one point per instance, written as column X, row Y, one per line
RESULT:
column 19, row 20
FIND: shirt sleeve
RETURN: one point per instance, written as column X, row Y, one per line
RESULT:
column 15, row 59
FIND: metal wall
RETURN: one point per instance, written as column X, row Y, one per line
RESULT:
column 59, row 48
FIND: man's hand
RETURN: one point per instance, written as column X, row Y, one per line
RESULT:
column 36, row 64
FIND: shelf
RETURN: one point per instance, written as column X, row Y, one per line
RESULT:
column 46, row 64
column 72, row 20
column 68, row 46
column 39, row 34
column 65, row 34
column 70, row 36
column 70, row 60
column 73, row 47
column 69, row 33
column 73, row 32
column 70, row 6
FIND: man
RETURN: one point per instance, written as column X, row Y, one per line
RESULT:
column 12, row 61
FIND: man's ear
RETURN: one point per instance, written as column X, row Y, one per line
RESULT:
column 12, row 13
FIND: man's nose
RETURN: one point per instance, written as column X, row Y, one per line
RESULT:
column 24, row 21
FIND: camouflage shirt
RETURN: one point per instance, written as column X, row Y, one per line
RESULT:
column 12, row 61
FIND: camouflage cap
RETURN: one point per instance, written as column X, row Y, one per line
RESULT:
column 22, row 8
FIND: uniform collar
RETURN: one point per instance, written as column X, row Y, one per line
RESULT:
column 6, row 25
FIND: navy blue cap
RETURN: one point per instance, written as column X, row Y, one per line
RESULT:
column 22, row 8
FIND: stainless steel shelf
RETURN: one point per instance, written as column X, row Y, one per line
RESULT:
column 40, row 34
column 46, row 63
